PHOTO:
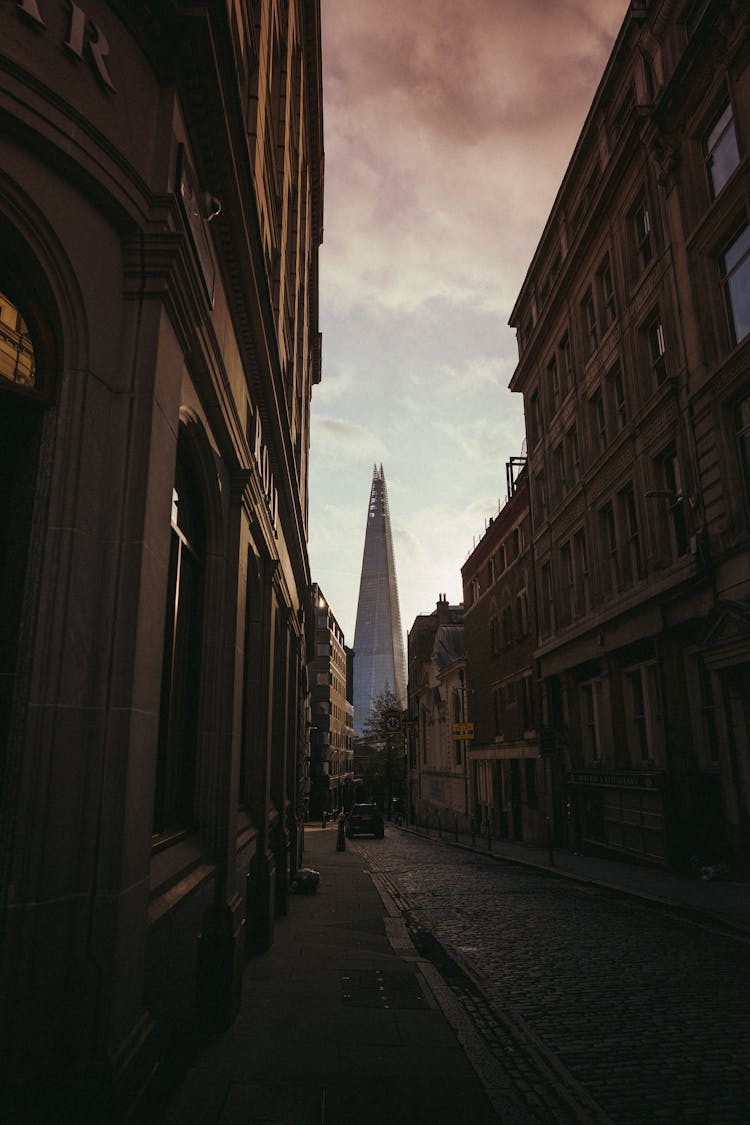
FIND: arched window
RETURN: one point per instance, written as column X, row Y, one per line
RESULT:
column 174, row 805
column 25, row 360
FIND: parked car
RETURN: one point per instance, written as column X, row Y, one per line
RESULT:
column 365, row 819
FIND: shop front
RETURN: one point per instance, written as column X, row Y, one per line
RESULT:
column 621, row 812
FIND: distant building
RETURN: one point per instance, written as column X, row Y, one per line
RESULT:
column 378, row 641
column 633, row 327
column 331, row 734
column 437, row 768
column 161, row 210
column 512, row 785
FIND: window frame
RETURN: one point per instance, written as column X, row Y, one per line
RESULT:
column 727, row 274
column 643, row 235
column 710, row 149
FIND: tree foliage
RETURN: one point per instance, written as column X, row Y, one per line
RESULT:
column 382, row 763
column 374, row 725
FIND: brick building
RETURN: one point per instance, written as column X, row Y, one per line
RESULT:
column 332, row 713
column 633, row 327
column 511, row 784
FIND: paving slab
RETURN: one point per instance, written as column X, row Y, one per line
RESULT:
column 337, row 1023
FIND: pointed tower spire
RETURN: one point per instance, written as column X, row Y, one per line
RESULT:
column 379, row 663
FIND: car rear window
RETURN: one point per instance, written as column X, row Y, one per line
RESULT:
column 363, row 810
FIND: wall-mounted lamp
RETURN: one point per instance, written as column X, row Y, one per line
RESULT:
column 670, row 494
column 211, row 205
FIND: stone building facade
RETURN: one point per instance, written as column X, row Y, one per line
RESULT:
column 633, row 327
column 438, row 780
column 511, row 783
column 332, row 713
column 160, row 217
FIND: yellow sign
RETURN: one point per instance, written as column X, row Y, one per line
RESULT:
column 463, row 730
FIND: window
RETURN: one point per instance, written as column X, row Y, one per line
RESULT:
column 708, row 713
column 527, row 702
column 617, row 398
column 507, row 633
column 643, row 713
column 581, row 562
column 558, row 471
column 607, row 303
column 546, row 599
column 642, row 235
column 522, row 613
column 494, row 637
column 25, row 354
column 567, row 607
column 457, row 718
column 497, row 710
column 591, row 326
column 566, row 364
column 631, row 560
column 591, row 737
column 540, row 494
column 609, row 576
column 735, row 279
column 720, row 148
column 532, row 794
column 598, row 423
column 671, row 479
column 534, row 420
column 648, row 74
column 742, row 430
column 573, row 456
column 17, row 358
column 490, row 572
column 553, row 384
column 178, row 714
column 654, row 333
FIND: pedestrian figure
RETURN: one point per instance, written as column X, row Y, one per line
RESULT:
column 341, row 833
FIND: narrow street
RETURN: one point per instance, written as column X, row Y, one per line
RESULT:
column 588, row 1000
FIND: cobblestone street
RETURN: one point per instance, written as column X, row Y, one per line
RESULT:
column 593, row 1000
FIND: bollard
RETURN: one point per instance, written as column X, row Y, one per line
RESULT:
column 440, row 830
column 473, row 832
column 341, row 835
column 325, row 819
column 489, row 835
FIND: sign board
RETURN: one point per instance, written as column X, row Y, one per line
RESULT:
column 463, row 730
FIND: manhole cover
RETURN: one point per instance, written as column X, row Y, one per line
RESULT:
column 373, row 988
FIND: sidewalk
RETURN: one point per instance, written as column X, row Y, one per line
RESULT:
column 338, row 1024
column 719, row 902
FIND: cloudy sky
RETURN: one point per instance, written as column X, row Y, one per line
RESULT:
column 447, row 129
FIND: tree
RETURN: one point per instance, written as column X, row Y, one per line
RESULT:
column 381, row 753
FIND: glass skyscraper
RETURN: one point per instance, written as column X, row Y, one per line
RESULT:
column 379, row 663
